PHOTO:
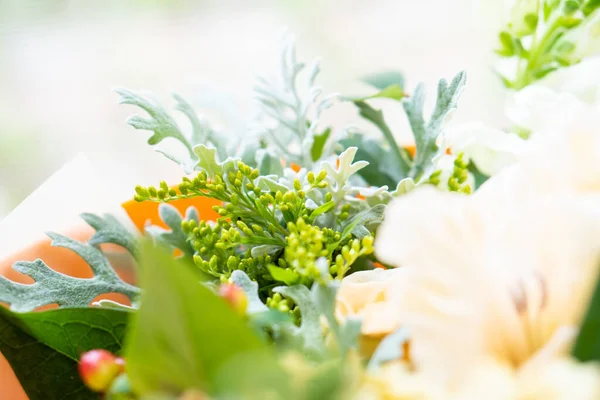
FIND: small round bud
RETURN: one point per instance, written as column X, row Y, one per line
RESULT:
column 99, row 368
column 235, row 297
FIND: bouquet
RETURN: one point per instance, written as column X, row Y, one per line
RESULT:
column 306, row 261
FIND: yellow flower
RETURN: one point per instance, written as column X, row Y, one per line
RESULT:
column 365, row 295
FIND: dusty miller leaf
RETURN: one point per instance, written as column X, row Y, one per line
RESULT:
column 110, row 230
column 53, row 287
column 251, row 289
column 358, row 223
column 426, row 134
column 208, row 160
column 390, row 348
column 160, row 121
column 310, row 332
column 175, row 237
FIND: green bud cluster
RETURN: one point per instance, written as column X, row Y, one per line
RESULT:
column 460, row 174
column 218, row 250
column 349, row 253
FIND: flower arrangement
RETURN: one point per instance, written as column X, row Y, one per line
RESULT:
column 328, row 264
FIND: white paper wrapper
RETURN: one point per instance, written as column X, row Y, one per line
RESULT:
column 76, row 188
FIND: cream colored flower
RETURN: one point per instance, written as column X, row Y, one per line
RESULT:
column 492, row 283
column 365, row 294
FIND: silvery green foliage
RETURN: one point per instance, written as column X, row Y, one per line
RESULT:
column 51, row 287
column 164, row 126
column 175, row 237
column 314, row 303
column 391, row 348
column 109, row 230
column 426, row 133
column 291, row 108
column 251, row 289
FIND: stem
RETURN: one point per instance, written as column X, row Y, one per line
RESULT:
column 376, row 117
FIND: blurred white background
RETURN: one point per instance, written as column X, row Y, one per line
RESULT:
column 60, row 60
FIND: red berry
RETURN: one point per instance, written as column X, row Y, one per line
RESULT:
column 235, row 297
column 99, row 368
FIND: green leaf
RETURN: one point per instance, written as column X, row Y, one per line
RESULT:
column 288, row 276
column 110, row 230
column 376, row 173
column 319, row 144
column 393, row 92
column 322, row 209
column 383, row 80
column 587, row 345
column 183, row 333
column 590, row 6
column 508, row 44
column 268, row 163
column 43, row 348
column 160, row 121
column 175, row 237
column 52, row 287
column 426, row 134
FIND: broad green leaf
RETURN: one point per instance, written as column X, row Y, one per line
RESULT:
column 426, row 134
column 43, row 348
column 587, row 345
column 183, row 333
column 51, row 287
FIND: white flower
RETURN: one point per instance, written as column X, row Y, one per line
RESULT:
column 495, row 284
column 580, row 80
column 491, row 150
column 538, row 107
